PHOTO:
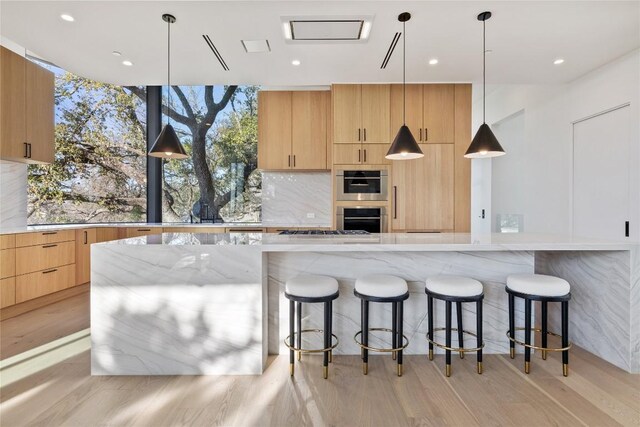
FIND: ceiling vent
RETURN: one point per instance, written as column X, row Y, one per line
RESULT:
column 256, row 46
column 213, row 48
column 323, row 29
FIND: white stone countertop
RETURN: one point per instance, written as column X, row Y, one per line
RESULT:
column 53, row 227
column 396, row 242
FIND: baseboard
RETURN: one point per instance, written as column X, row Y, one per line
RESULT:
column 18, row 309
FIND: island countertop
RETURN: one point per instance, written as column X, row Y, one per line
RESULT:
column 392, row 242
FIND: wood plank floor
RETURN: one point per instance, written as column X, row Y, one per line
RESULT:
column 595, row 394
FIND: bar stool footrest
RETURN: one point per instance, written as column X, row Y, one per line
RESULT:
column 310, row 350
column 456, row 349
column 536, row 347
column 378, row 349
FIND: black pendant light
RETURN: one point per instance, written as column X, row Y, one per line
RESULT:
column 404, row 146
column 484, row 144
column 168, row 146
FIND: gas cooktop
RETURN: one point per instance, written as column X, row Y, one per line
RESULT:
column 324, row 232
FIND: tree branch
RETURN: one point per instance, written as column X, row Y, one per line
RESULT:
column 184, row 101
column 167, row 110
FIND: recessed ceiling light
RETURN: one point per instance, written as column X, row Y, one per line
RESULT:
column 67, row 17
column 433, row 61
column 116, row 53
column 295, row 62
column 127, row 63
column 558, row 61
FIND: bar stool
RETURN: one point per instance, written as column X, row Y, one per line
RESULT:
column 381, row 288
column 311, row 289
column 456, row 289
column 546, row 289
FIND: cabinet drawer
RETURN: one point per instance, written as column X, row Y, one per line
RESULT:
column 143, row 231
column 36, row 258
column 44, row 237
column 7, row 263
column 7, row 241
column 34, row 285
column 7, row 292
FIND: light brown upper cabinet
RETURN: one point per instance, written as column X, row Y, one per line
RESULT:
column 360, row 154
column 423, row 191
column 430, row 112
column 361, row 114
column 27, row 102
column 292, row 130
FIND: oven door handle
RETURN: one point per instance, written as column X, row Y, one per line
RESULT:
column 361, row 217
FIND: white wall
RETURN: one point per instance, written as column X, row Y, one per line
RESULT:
column 548, row 111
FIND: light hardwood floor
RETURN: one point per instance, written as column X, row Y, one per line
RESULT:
column 595, row 393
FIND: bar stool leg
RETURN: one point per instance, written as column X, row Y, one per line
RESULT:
column 565, row 337
column 527, row 334
column 479, row 334
column 394, row 329
column 543, row 322
column 400, row 339
column 327, row 328
column 299, row 326
column 430, row 318
column 448, row 338
column 365, row 337
column 512, row 326
column 361, row 327
column 292, row 313
column 330, row 331
column 460, row 335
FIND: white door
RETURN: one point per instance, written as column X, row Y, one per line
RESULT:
column 601, row 149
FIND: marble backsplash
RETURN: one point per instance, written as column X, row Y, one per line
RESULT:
column 13, row 194
column 296, row 199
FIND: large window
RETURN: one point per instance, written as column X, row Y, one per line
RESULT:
column 99, row 173
column 218, row 126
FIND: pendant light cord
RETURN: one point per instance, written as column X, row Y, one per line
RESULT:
column 404, row 73
column 484, row 71
column 168, row 69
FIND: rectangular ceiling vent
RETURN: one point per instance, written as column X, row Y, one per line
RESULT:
column 326, row 29
column 215, row 51
column 392, row 47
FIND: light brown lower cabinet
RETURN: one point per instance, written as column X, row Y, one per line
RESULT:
column 30, row 259
column 423, row 191
column 7, row 292
column 105, row 234
column 84, row 238
column 7, row 263
column 193, row 229
column 40, row 283
column 142, row 231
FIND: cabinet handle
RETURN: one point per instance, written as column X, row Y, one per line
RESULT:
column 144, row 229
column 365, row 134
column 48, row 246
column 49, row 233
column 29, row 150
column 26, row 150
column 395, row 202
column 289, row 157
column 49, row 271
column 426, row 134
column 85, row 237
column 420, row 134
column 359, row 134
column 294, row 160
column 359, row 156
column 365, row 155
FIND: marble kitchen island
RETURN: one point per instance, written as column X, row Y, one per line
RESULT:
column 182, row 303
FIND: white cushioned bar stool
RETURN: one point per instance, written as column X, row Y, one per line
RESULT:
column 456, row 289
column 310, row 289
column 381, row 288
column 545, row 289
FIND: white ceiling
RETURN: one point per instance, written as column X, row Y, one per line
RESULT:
column 525, row 37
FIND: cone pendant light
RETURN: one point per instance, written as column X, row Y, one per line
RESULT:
column 404, row 146
column 484, row 144
column 168, row 146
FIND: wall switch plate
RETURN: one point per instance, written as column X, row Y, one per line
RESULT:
column 311, row 215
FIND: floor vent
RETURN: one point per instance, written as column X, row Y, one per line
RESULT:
column 392, row 47
column 215, row 51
